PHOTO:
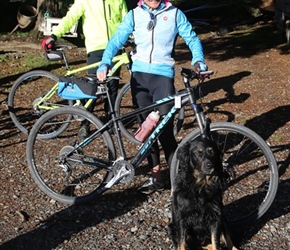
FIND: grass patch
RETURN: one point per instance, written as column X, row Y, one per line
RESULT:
column 278, row 138
column 16, row 34
column 35, row 61
column 4, row 58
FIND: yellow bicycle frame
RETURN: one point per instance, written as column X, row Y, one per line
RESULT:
column 119, row 60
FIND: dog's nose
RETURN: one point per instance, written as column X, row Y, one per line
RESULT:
column 208, row 167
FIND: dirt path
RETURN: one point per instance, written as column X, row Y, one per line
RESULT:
column 251, row 86
column 4, row 47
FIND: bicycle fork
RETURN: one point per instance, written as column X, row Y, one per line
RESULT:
column 203, row 123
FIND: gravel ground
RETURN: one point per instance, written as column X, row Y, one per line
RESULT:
column 258, row 76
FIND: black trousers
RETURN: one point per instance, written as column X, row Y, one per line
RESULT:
column 146, row 89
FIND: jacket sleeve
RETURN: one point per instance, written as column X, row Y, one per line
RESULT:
column 121, row 35
column 71, row 18
column 187, row 33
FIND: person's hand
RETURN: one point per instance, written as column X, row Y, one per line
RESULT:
column 48, row 43
column 199, row 66
column 102, row 72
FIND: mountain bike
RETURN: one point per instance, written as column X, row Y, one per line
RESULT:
column 75, row 170
column 35, row 92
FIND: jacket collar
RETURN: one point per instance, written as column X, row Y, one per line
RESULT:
column 165, row 3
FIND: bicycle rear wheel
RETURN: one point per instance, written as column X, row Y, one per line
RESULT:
column 251, row 167
column 28, row 90
column 66, row 174
column 124, row 104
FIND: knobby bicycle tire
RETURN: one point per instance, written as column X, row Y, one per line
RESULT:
column 251, row 167
column 24, row 94
column 76, row 179
column 125, row 104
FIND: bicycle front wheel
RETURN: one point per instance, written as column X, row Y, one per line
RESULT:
column 125, row 104
column 251, row 167
column 67, row 174
column 26, row 92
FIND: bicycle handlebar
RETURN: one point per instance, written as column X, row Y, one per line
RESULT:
column 57, row 53
column 190, row 74
column 129, row 42
column 95, row 80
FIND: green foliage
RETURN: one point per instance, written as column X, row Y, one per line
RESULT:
column 34, row 61
column 278, row 138
column 243, row 121
column 4, row 58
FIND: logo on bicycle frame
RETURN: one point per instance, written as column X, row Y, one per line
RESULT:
column 158, row 128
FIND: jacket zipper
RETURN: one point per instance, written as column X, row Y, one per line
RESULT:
column 107, row 26
column 152, row 39
column 150, row 59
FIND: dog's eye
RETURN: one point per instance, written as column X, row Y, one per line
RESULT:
column 210, row 151
column 200, row 151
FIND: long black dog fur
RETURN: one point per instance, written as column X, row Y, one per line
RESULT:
column 197, row 209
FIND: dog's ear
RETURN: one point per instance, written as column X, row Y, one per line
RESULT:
column 183, row 153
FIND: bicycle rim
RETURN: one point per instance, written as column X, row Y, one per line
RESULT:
column 80, row 177
column 251, row 167
column 28, row 90
column 124, row 104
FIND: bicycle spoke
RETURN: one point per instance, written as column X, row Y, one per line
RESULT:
column 64, row 173
column 25, row 95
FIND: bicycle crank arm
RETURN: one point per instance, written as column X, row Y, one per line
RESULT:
column 122, row 173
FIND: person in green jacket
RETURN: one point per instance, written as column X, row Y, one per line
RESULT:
column 100, row 20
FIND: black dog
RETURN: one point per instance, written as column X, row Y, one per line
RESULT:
column 197, row 218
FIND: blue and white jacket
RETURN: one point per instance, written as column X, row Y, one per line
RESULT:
column 154, row 47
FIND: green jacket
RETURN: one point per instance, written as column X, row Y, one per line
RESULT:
column 100, row 19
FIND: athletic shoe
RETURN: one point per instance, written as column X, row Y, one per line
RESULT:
column 83, row 132
column 151, row 185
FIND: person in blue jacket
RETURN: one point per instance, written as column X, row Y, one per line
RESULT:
column 154, row 25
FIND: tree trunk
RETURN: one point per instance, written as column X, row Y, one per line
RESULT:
column 35, row 31
column 54, row 8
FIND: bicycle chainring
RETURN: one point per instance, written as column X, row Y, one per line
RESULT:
column 128, row 167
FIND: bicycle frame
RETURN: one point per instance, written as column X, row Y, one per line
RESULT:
column 153, row 136
column 119, row 60
column 185, row 98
